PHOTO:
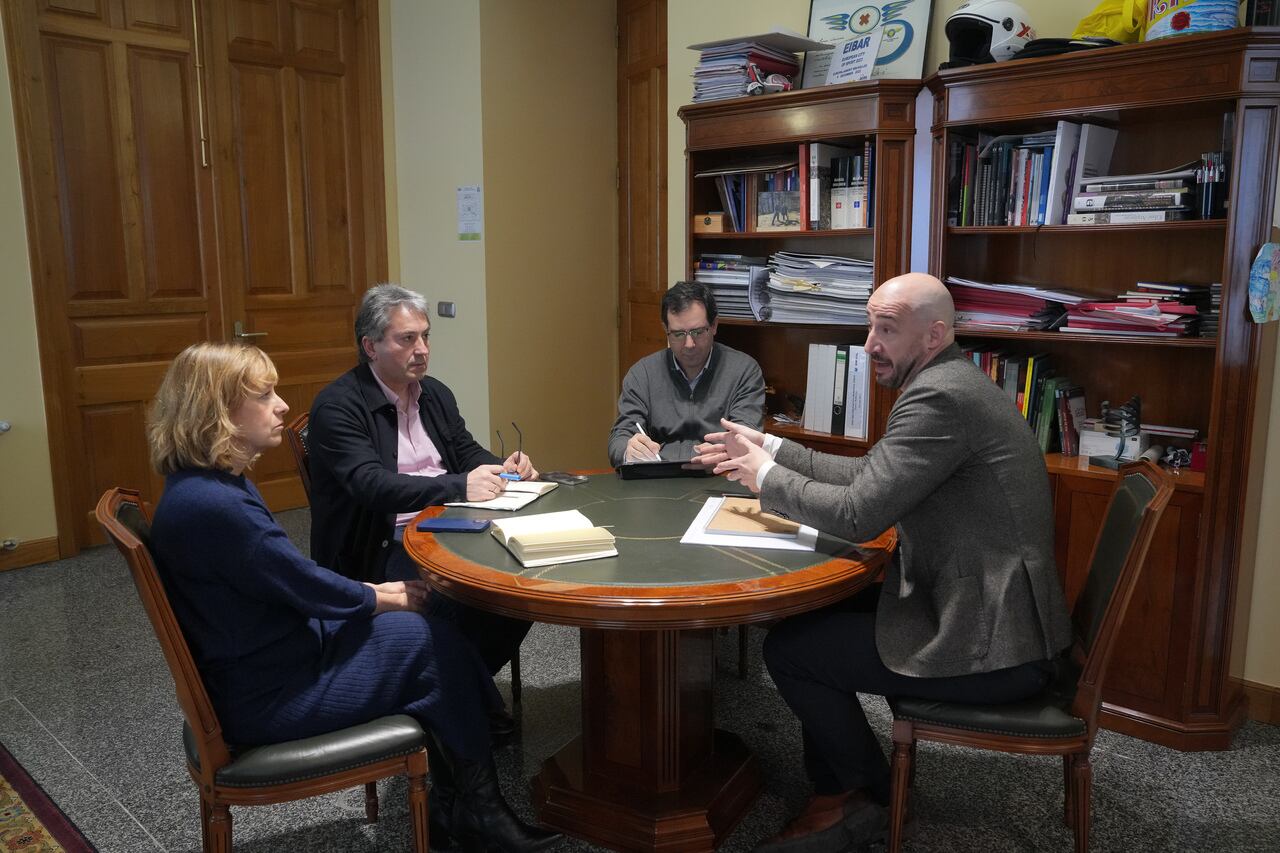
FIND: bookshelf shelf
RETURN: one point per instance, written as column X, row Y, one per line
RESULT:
column 1169, row 101
column 1078, row 466
column 772, row 235
column 1091, row 340
column 740, row 321
column 1163, row 227
column 805, row 436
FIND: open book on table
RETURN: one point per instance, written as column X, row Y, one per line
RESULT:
column 517, row 495
column 553, row 537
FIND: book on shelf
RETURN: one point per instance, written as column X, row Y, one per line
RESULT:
column 1093, row 156
column 1120, row 185
column 1132, row 200
column 779, row 203
column 1071, row 412
column 742, row 516
column 553, row 537
column 821, row 159
column 1129, row 217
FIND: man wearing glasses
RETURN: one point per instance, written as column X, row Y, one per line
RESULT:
column 672, row 398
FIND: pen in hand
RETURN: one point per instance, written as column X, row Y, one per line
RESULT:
column 640, row 431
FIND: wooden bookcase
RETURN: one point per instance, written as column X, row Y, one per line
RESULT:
column 1169, row 679
column 721, row 133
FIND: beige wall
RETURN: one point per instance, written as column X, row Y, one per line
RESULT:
column 690, row 23
column 26, row 500
column 433, row 124
column 548, row 80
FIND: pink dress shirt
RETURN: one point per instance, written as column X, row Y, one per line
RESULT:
column 416, row 454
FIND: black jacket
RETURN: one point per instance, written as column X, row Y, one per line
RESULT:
column 356, row 491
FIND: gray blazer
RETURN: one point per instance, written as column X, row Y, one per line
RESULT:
column 974, row 587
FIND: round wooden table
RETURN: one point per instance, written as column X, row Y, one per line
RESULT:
column 649, row 771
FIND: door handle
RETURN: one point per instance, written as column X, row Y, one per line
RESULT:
column 242, row 335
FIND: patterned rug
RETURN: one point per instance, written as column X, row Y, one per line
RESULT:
column 29, row 820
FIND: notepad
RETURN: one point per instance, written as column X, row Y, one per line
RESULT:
column 743, row 517
column 517, row 495
column 553, row 537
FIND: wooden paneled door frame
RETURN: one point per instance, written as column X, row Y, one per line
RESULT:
column 642, row 177
column 117, row 152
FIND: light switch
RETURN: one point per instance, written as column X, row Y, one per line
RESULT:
column 446, row 309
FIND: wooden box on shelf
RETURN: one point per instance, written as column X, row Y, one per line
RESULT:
column 877, row 118
column 1169, row 103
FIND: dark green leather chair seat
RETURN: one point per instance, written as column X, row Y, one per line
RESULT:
column 1046, row 715
column 322, row 755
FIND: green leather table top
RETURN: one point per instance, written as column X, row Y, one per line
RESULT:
column 647, row 518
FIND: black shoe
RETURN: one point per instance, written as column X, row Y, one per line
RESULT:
column 501, row 726
column 482, row 820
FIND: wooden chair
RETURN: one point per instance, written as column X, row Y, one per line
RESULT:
column 298, row 433
column 1062, row 720
column 260, row 775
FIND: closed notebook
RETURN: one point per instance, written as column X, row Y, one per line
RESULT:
column 553, row 537
column 743, row 517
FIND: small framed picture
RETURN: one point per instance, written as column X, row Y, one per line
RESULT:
column 903, row 26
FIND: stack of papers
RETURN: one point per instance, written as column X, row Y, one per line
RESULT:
column 805, row 538
column 730, row 278
column 723, row 68
column 1131, row 318
column 553, row 537
column 987, row 306
column 814, row 289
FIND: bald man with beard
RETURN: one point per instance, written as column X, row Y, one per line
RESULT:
column 971, row 608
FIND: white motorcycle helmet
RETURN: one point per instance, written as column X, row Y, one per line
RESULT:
column 986, row 31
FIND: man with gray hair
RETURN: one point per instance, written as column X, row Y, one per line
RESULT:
column 387, row 440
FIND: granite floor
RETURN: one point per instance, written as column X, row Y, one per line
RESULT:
column 86, row 705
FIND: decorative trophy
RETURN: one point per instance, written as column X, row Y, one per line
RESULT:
column 1125, row 423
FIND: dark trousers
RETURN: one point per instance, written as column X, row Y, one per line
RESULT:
column 820, row 661
column 496, row 638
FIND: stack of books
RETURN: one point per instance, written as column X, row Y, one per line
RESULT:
column 1209, row 319
column 730, row 277
column 1148, row 319
column 815, row 289
column 1166, row 196
column 841, row 185
column 988, row 306
column 722, row 69
column 1175, row 297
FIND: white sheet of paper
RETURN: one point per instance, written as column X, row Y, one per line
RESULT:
column 697, row 534
column 470, row 213
column 517, row 495
column 852, row 60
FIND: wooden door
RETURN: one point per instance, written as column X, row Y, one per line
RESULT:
column 134, row 253
column 642, row 177
column 120, row 220
column 298, row 140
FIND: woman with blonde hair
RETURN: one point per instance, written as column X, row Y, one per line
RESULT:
column 288, row 649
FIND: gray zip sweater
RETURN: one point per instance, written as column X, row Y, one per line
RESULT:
column 656, row 393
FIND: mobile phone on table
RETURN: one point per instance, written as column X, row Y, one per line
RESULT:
column 564, row 479
column 453, row 525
